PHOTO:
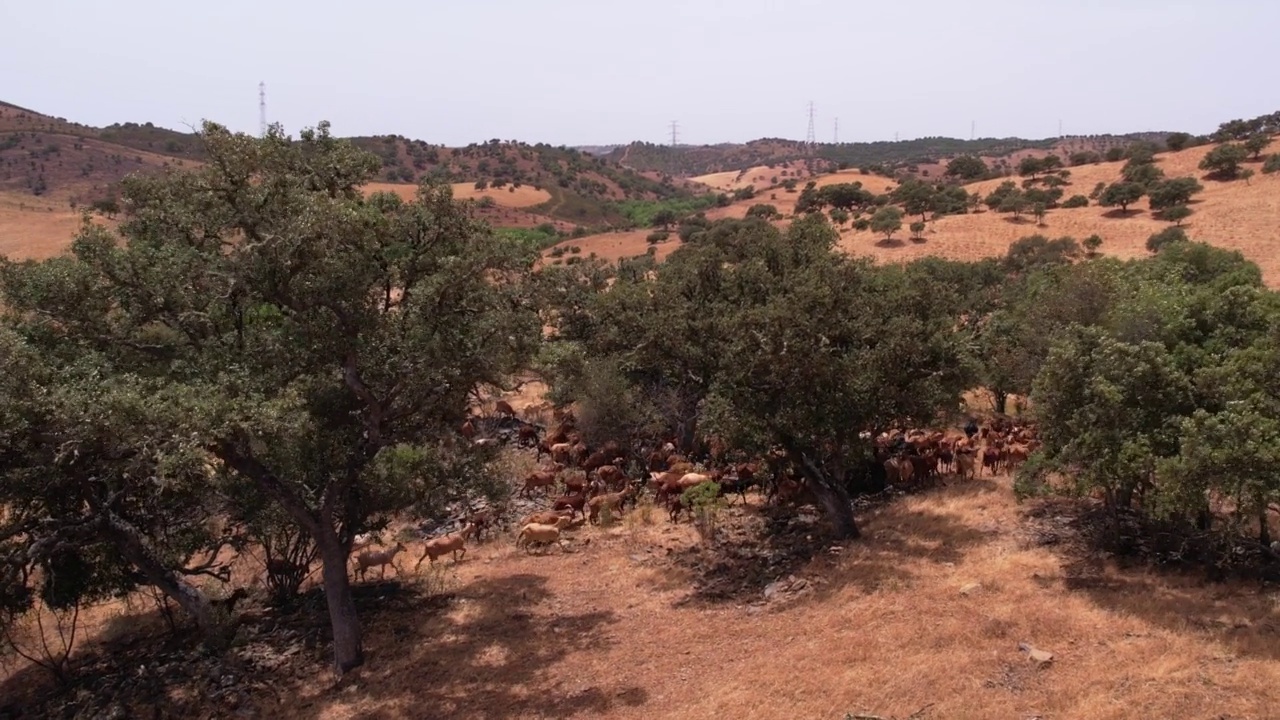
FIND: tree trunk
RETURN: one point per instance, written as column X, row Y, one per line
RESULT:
column 348, row 648
column 1264, row 531
column 835, row 500
column 1002, row 401
column 129, row 542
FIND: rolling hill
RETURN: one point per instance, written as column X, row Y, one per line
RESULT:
column 1235, row 214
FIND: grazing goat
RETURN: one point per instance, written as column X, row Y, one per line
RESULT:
column 363, row 541
column 546, row 517
column 538, row 479
column 537, row 533
column 965, row 463
column 572, row 503
column 597, row 504
column 502, row 407
column 454, row 542
column 376, row 558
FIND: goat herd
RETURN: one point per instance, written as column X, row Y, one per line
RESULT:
column 585, row 484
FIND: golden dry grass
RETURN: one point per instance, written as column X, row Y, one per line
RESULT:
column 607, row 632
column 760, row 176
column 35, row 228
column 614, row 246
column 521, row 197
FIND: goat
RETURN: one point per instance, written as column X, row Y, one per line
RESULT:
column 379, row 559
column 502, row 407
column 597, row 504
column 546, row 517
column 538, row 479
column 572, row 503
column 454, row 542
column 541, row 534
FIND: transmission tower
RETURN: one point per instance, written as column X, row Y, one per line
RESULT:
column 972, row 124
column 262, row 109
column 812, row 137
column 675, row 132
column 835, row 135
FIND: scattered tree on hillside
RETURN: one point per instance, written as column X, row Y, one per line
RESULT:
column 1121, row 194
column 1076, row 201
column 1246, row 174
column 1177, row 141
column 1271, row 165
column 1256, row 144
column 917, row 197
column 1176, row 191
column 664, row 218
column 764, row 212
column 887, row 220
column 997, row 196
column 1097, row 191
column 230, row 348
column 967, row 167
column 1084, row 158
column 1114, row 154
column 839, row 216
column 1038, row 210
column 1091, row 245
column 1175, row 214
column 1030, row 167
column 917, row 230
column 1224, row 160
column 1144, row 174
column 1014, row 202
column 106, row 206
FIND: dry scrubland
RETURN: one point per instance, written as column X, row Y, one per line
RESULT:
column 1233, row 215
column 923, row 615
column 521, row 197
column 758, row 176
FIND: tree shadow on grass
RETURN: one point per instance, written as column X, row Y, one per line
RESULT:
column 487, row 658
column 765, row 543
column 889, row 242
column 1174, row 578
column 1118, row 214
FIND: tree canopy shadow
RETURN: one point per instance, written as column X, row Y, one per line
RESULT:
column 1167, row 574
column 490, row 660
column 889, row 242
column 765, row 543
column 1118, row 214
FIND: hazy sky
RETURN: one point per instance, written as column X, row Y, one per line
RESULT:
column 601, row 71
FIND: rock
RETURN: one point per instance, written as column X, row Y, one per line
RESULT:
column 970, row 588
column 1036, row 655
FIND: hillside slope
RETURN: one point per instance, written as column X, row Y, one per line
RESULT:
column 1236, row 215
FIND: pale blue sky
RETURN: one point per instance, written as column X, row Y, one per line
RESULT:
column 596, row 72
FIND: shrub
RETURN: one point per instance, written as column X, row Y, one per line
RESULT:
column 1271, row 165
column 574, row 249
column 1076, row 201
column 1166, row 237
column 704, row 502
column 657, row 237
column 1091, row 244
column 917, row 228
column 558, row 251
column 1114, row 154
column 862, row 224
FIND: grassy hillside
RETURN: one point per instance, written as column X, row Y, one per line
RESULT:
column 1233, row 214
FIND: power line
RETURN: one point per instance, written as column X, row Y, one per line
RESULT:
column 262, row 109
column 675, row 132
column 812, row 137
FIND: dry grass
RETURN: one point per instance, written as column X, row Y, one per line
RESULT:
column 521, row 197
column 760, row 177
column 35, row 228
column 614, row 246
column 607, row 631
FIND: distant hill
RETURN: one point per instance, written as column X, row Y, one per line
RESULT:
column 885, row 157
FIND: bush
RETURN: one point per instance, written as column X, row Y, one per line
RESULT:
column 1114, row 154
column 1165, row 238
column 1076, row 201
column 558, row 251
column 704, row 502
column 917, row 228
column 862, row 224
column 657, row 237
column 1091, row 244
column 1271, row 165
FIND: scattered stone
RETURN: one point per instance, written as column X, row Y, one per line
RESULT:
column 970, row 588
column 1036, row 655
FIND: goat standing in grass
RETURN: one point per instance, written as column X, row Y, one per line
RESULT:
column 376, row 558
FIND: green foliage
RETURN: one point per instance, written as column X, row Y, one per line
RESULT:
column 887, row 220
column 656, row 237
column 646, row 213
column 1175, row 214
column 1084, row 157
column 1167, row 236
column 1256, row 144
column 862, row 224
column 1173, row 192
column 1144, row 174
column 1114, row 154
column 764, row 212
column 1097, row 191
column 1271, row 165
column 534, row 239
column 106, row 206
column 1076, row 201
column 967, row 168
column 1122, row 195
column 1177, row 141
column 257, row 331
column 1038, row 251
column 1224, row 160
column 1091, row 244
column 839, row 216
column 917, row 229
